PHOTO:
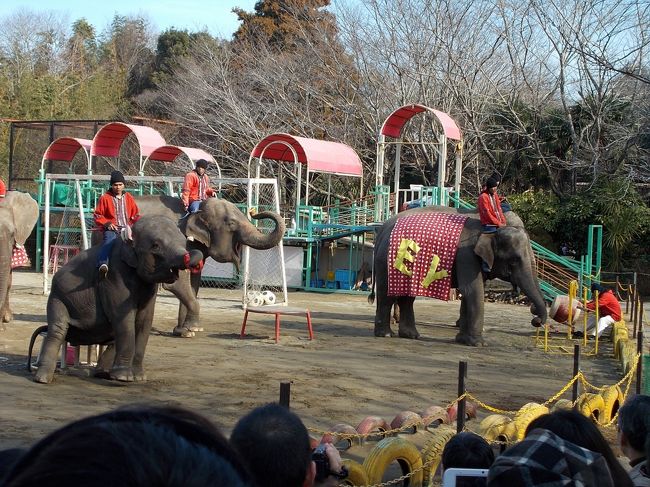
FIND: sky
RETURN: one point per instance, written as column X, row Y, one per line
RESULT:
column 193, row 15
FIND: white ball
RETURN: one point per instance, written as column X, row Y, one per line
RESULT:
column 269, row 297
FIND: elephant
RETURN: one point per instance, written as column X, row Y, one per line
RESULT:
column 218, row 230
column 18, row 215
column 84, row 308
column 513, row 261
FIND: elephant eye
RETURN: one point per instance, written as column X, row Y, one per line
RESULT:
column 155, row 246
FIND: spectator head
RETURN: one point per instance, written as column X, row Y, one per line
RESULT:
column 467, row 450
column 491, row 182
column 202, row 163
column 598, row 287
column 274, row 444
column 543, row 458
column 166, row 446
column 3, row 189
column 634, row 427
column 580, row 430
column 117, row 177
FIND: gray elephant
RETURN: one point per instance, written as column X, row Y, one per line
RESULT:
column 513, row 261
column 218, row 230
column 18, row 215
column 84, row 308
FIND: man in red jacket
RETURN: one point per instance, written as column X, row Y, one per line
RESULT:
column 492, row 217
column 609, row 310
column 196, row 187
column 116, row 211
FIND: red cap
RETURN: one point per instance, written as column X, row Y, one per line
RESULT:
column 3, row 189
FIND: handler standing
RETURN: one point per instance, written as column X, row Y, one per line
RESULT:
column 116, row 211
column 196, row 187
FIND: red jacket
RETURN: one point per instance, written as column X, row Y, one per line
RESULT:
column 105, row 211
column 3, row 189
column 490, row 214
column 608, row 305
column 192, row 187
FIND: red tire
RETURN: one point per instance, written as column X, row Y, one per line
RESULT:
column 408, row 420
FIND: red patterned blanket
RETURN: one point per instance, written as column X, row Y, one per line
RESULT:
column 421, row 254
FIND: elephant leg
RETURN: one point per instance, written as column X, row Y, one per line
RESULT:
column 143, row 322
column 6, row 316
column 57, row 328
column 407, row 317
column 105, row 362
column 471, row 313
column 188, row 308
column 124, row 328
column 382, row 316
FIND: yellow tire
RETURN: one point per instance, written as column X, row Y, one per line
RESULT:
column 591, row 405
column 612, row 400
column 525, row 416
column 388, row 451
column 561, row 404
column 356, row 474
column 628, row 354
column 498, row 427
column 619, row 332
column 432, row 451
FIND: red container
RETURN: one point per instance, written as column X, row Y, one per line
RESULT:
column 69, row 355
column 560, row 310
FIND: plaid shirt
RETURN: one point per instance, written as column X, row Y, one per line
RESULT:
column 545, row 459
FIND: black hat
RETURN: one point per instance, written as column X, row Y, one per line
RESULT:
column 117, row 177
column 491, row 182
column 597, row 287
column 202, row 163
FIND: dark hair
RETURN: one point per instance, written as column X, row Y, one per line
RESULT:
column 117, row 177
column 598, row 287
column 467, row 450
column 202, row 163
column 572, row 426
column 491, row 182
column 162, row 446
column 634, row 422
column 274, row 443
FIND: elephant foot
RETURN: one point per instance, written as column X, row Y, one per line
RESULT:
column 471, row 340
column 139, row 375
column 122, row 374
column 181, row 331
column 412, row 334
column 384, row 333
column 102, row 373
column 43, row 376
column 195, row 328
column 7, row 317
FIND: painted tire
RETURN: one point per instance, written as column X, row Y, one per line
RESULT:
column 620, row 332
column 432, row 451
column 612, row 400
column 434, row 415
column 470, row 411
column 562, row 404
column 389, row 450
column 342, row 436
column 408, row 420
column 525, row 416
column 628, row 354
column 591, row 405
column 356, row 474
column 372, row 424
column 498, row 427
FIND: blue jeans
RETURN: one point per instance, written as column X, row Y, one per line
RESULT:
column 489, row 228
column 194, row 206
column 107, row 247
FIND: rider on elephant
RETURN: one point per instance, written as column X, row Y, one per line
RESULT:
column 116, row 211
column 491, row 215
column 196, row 187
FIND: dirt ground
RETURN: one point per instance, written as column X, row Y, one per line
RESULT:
column 342, row 376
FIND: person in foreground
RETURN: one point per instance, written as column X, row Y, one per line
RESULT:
column 467, row 450
column 274, row 444
column 136, row 446
column 634, row 437
column 580, row 430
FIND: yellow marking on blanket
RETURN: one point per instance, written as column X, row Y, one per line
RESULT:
column 432, row 275
column 406, row 246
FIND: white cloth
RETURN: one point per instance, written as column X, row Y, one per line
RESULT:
column 603, row 324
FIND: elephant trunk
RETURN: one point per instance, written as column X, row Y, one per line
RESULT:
column 251, row 236
column 192, row 259
column 530, row 287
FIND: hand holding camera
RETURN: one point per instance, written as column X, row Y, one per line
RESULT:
column 328, row 463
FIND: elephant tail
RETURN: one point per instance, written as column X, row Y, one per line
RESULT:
column 37, row 332
column 371, row 296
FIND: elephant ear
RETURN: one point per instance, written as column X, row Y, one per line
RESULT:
column 25, row 213
column 485, row 247
column 197, row 229
column 128, row 255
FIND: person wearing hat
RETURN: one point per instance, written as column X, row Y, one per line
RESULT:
column 196, row 187
column 116, row 211
column 609, row 310
column 491, row 215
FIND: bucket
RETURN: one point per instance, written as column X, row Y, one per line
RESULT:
column 69, row 355
column 560, row 310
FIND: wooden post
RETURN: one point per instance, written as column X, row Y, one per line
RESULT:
column 576, row 369
column 639, row 365
column 460, row 407
column 285, row 394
